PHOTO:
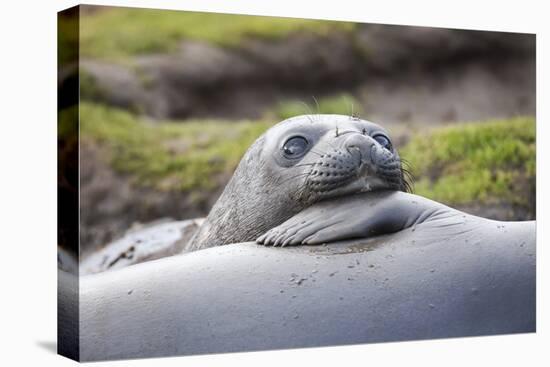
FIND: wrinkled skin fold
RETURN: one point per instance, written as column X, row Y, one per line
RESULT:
column 360, row 216
column 407, row 268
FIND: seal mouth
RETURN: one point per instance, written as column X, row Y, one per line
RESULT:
column 333, row 170
column 344, row 172
column 338, row 172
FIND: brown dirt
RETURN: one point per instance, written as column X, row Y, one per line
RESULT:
column 111, row 204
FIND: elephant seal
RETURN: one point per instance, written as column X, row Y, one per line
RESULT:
column 296, row 163
column 449, row 275
column 441, row 273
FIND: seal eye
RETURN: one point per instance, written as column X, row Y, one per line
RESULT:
column 295, row 147
column 383, row 141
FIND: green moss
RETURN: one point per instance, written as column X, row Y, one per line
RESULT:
column 169, row 155
column 116, row 33
column 477, row 162
column 342, row 104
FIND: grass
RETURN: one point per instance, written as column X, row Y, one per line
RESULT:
column 117, row 33
column 484, row 162
column 168, row 156
column 475, row 162
column 342, row 104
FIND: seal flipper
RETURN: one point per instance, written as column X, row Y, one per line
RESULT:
column 295, row 230
column 356, row 216
column 314, row 231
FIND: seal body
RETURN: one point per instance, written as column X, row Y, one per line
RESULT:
column 438, row 273
column 448, row 275
column 296, row 163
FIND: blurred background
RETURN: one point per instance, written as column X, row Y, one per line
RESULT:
column 170, row 101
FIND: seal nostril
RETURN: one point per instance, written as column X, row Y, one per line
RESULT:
column 354, row 151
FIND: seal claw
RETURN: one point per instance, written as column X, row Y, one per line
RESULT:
column 288, row 241
column 271, row 238
column 260, row 240
column 278, row 240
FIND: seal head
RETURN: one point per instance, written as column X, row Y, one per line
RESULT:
column 296, row 163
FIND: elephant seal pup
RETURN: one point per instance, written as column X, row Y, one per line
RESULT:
column 296, row 163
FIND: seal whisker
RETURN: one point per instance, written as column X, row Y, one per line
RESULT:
column 308, row 110
column 293, row 177
column 352, row 116
column 407, row 187
column 408, row 180
column 407, row 176
column 405, row 165
column 304, row 165
column 391, row 175
column 332, row 146
column 405, row 162
column 319, row 154
column 408, row 173
column 302, row 188
column 317, row 104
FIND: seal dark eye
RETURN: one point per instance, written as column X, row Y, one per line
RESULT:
column 383, row 141
column 295, row 147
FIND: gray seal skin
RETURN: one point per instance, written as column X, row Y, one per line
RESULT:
column 448, row 274
column 296, row 163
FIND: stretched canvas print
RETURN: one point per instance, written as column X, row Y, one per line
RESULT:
column 233, row 183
